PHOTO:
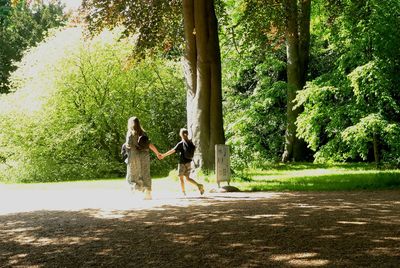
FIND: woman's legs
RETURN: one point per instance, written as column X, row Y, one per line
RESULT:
column 145, row 173
column 133, row 172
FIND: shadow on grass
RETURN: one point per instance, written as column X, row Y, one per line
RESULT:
column 357, row 229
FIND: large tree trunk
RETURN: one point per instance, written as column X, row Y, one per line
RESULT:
column 202, row 68
column 297, row 47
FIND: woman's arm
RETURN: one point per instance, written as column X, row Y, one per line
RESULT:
column 154, row 149
column 127, row 140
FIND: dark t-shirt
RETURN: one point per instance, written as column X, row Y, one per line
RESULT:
column 179, row 149
column 133, row 140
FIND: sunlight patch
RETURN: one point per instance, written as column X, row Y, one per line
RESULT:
column 308, row 263
column 392, row 252
column 287, row 257
column 277, row 225
column 353, row 222
column 261, row 216
column 235, row 245
column 107, row 214
column 14, row 260
column 105, row 252
column 306, row 206
column 185, row 240
column 328, row 236
column 300, row 259
column 392, row 238
column 174, row 223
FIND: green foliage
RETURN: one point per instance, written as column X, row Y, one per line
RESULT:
column 22, row 25
column 81, row 96
column 359, row 136
column 5, row 9
column 255, row 125
column 352, row 100
column 356, row 103
column 254, row 63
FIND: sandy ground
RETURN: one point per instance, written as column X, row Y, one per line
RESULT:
column 104, row 225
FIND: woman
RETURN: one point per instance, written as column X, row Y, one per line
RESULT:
column 138, row 168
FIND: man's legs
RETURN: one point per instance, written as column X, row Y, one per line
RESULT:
column 200, row 186
column 182, row 184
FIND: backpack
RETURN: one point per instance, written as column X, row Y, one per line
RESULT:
column 124, row 153
column 143, row 142
column 188, row 149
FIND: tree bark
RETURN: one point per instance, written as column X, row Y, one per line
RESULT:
column 297, row 48
column 202, row 69
column 304, row 38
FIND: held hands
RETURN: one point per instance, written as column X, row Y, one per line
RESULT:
column 162, row 156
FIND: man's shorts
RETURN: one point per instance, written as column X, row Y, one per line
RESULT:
column 184, row 169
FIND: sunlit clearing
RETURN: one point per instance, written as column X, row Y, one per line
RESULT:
column 108, row 199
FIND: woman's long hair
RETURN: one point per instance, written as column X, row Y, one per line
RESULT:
column 134, row 126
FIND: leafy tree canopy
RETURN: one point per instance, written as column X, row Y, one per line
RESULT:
column 22, row 25
column 157, row 24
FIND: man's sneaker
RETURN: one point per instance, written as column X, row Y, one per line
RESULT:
column 201, row 189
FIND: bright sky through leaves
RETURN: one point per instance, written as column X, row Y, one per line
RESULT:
column 71, row 4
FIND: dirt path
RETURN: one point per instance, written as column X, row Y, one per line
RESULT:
column 107, row 227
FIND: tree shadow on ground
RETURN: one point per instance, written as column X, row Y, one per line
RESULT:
column 330, row 229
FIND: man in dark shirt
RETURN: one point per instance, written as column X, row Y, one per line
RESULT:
column 185, row 148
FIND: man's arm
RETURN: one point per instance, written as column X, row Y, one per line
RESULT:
column 168, row 153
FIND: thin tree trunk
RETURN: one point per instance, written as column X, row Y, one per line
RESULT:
column 304, row 38
column 376, row 149
column 202, row 66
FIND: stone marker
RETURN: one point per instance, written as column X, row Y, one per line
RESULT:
column 222, row 163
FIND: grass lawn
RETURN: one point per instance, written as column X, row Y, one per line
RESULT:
column 314, row 177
